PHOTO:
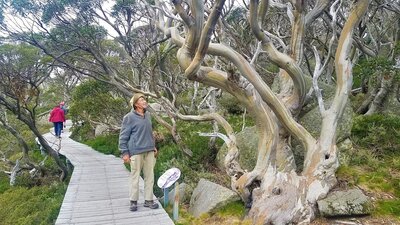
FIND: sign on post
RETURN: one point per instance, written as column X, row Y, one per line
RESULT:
column 166, row 180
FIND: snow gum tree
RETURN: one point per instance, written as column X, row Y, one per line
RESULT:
column 277, row 192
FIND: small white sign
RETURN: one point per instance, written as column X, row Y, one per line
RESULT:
column 168, row 178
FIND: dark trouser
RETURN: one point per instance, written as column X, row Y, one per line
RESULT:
column 57, row 128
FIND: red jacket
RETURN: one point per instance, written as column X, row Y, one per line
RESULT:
column 57, row 115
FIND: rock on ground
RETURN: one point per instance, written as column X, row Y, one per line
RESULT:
column 208, row 196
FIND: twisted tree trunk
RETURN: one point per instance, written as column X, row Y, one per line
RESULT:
column 276, row 193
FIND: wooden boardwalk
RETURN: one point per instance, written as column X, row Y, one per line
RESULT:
column 98, row 190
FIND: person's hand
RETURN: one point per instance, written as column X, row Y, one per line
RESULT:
column 126, row 158
column 155, row 152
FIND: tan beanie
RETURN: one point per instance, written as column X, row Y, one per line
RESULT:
column 135, row 98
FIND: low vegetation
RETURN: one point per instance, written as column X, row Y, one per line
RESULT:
column 231, row 214
column 36, row 205
column 32, row 200
column 373, row 163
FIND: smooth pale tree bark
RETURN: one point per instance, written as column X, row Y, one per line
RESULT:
column 14, row 172
column 277, row 193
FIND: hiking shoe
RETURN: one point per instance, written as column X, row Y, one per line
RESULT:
column 150, row 204
column 133, row 206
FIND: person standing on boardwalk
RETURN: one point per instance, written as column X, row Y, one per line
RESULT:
column 57, row 117
column 137, row 145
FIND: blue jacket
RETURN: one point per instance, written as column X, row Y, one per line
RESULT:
column 136, row 135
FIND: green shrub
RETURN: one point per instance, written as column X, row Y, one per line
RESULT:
column 378, row 65
column 24, row 180
column 4, row 182
column 82, row 132
column 37, row 205
column 50, row 166
column 378, row 133
column 195, row 142
column 97, row 101
column 201, row 164
column 357, row 100
column 231, row 104
column 107, row 144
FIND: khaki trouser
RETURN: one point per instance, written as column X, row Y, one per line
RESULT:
column 145, row 161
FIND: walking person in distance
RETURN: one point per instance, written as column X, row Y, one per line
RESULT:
column 57, row 117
